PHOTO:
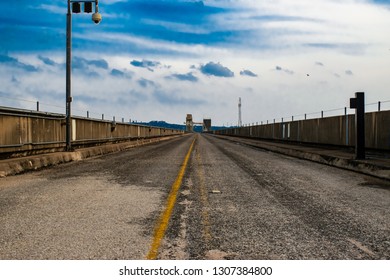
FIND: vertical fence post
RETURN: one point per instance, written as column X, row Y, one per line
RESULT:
column 357, row 103
column 322, row 114
column 37, row 106
column 87, row 114
column 305, row 116
column 346, row 127
column 273, row 130
column 102, row 117
column 379, row 106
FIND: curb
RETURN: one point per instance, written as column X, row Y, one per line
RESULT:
column 16, row 166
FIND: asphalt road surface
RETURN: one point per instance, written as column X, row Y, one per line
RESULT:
column 234, row 202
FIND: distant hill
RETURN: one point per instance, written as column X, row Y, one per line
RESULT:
column 166, row 125
column 163, row 124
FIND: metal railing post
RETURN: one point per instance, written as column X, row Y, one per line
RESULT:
column 68, row 77
column 357, row 103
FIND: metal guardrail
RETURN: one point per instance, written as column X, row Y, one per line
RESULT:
column 379, row 106
column 29, row 113
column 24, row 135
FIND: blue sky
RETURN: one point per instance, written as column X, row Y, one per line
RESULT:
column 159, row 60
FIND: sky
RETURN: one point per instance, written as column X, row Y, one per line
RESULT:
column 160, row 60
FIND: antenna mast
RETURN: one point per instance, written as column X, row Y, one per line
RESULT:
column 239, row 113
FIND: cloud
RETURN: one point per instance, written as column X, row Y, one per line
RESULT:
column 248, row 73
column 99, row 63
column 289, row 71
column 7, row 59
column 117, row 73
column 120, row 74
column 14, row 62
column 184, row 77
column 15, row 80
column 382, row 2
column 349, row 73
column 173, row 99
column 89, row 68
column 84, row 64
column 148, row 64
column 346, row 48
column 319, row 63
column 216, row 69
column 188, row 12
column 92, row 74
column 47, row 60
column 279, row 68
column 145, row 83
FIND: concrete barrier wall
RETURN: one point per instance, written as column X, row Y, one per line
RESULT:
column 28, row 131
column 338, row 131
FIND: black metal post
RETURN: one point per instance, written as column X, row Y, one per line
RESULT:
column 357, row 103
column 96, row 17
column 68, row 78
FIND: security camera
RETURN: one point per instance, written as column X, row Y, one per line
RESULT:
column 97, row 17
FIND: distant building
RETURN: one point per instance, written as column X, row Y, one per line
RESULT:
column 206, row 125
column 189, row 123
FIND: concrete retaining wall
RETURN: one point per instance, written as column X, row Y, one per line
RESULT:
column 31, row 132
column 338, row 131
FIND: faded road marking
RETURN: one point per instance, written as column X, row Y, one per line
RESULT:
column 162, row 224
column 204, row 199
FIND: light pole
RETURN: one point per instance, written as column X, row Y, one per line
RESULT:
column 74, row 6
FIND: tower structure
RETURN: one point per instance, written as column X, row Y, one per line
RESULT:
column 189, row 123
column 239, row 113
column 206, row 125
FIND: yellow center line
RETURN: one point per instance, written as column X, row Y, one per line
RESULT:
column 162, row 224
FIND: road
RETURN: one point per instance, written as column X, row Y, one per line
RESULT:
column 234, row 202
